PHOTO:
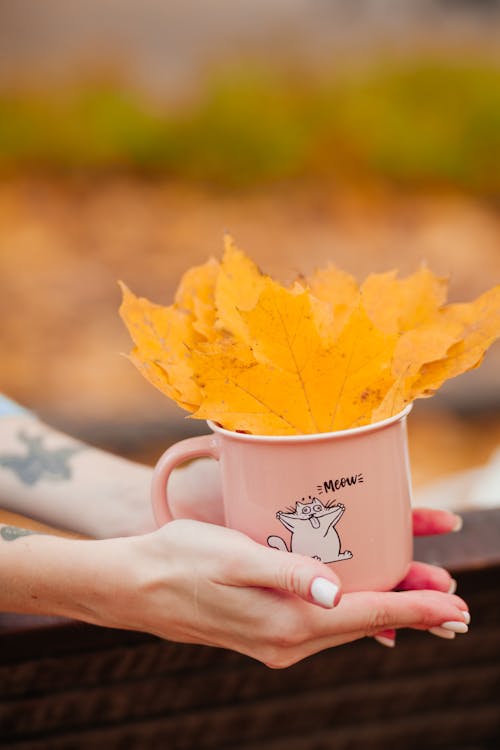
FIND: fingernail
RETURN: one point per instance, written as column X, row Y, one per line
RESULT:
column 466, row 617
column 442, row 633
column 385, row 641
column 458, row 523
column 324, row 592
column 453, row 586
column 455, row 627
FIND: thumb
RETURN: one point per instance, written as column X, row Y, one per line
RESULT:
column 309, row 579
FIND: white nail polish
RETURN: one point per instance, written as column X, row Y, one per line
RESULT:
column 466, row 617
column 324, row 592
column 442, row 633
column 453, row 586
column 458, row 524
column 384, row 641
column 455, row 627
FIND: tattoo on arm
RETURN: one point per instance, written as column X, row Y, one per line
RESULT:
column 9, row 533
column 39, row 462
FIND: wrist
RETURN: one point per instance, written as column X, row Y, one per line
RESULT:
column 39, row 573
column 115, row 579
column 48, row 575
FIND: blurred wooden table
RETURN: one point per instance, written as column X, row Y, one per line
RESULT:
column 67, row 685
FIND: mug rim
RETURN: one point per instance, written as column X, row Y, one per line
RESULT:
column 311, row 437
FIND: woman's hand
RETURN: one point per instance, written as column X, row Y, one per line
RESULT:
column 427, row 521
column 195, row 490
column 200, row 583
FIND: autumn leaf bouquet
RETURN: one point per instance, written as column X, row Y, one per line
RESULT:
column 324, row 354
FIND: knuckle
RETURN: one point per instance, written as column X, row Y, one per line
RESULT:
column 425, row 606
column 378, row 616
column 425, row 612
column 290, row 630
column 378, row 620
column 420, row 611
column 290, row 637
column 226, row 568
column 283, row 641
column 290, row 576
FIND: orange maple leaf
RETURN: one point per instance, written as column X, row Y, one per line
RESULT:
column 322, row 355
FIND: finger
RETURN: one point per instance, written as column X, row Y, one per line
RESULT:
column 368, row 614
column 373, row 612
column 426, row 607
column 194, row 491
column 309, row 579
column 385, row 637
column 430, row 521
column 424, row 576
column 420, row 576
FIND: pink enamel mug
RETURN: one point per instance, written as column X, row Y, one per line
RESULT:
column 342, row 497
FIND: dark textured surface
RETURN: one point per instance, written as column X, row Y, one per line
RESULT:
column 477, row 545
column 67, row 685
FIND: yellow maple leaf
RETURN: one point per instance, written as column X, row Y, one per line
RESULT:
column 397, row 305
column 284, row 379
column 415, row 347
column 162, row 337
column 454, row 341
column 243, row 394
column 337, row 381
column 362, row 355
column 480, row 321
column 340, row 291
column 237, row 288
column 196, row 296
column 322, row 355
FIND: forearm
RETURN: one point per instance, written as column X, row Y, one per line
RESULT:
column 46, row 575
column 53, row 478
column 106, row 582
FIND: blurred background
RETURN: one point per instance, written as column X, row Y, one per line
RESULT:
column 133, row 133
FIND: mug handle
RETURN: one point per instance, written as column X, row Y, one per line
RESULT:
column 185, row 450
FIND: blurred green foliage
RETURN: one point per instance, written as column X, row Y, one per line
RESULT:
column 413, row 123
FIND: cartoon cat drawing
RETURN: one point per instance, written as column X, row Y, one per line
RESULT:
column 312, row 526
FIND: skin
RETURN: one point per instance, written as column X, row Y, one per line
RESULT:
column 189, row 581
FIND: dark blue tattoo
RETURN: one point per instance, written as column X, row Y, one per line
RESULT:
column 40, row 462
column 9, row 533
